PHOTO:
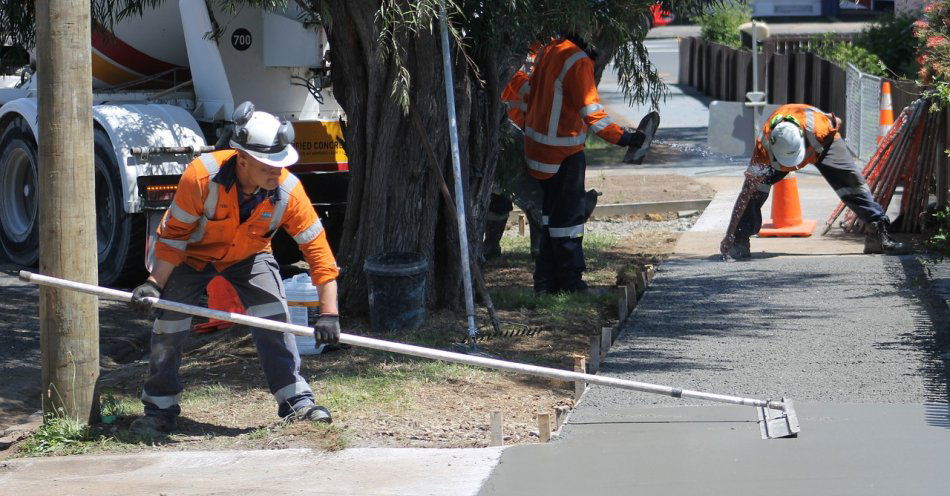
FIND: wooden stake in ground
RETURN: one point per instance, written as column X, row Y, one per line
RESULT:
column 544, row 427
column 497, row 432
column 580, row 365
column 69, row 321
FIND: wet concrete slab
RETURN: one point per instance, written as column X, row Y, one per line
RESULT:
column 859, row 342
column 843, row 449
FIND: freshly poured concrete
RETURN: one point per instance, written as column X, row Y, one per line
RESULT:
column 855, row 340
column 844, row 449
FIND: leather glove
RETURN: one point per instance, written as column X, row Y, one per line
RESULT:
column 144, row 290
column 327, row 329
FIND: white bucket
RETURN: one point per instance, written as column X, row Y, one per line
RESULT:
column 303, row 301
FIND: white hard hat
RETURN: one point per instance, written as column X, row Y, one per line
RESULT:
column 787, row 143
column 263, row 136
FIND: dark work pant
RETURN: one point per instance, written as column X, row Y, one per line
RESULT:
column 258, row 284
column 560, row 260
column 839, row 169
column 495, row 222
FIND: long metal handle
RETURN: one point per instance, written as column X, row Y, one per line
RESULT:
column 404, row 349
column 457, row 174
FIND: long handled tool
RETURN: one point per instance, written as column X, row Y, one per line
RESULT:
column 784, row 424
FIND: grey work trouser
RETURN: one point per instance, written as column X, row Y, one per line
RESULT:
column 842, row 174
column 258, row 284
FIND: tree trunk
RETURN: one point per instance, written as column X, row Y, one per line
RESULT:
column 394, row 202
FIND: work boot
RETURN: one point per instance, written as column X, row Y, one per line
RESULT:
column 638, row 148
column 313, row 413
column 741, row 249
column 879, row 240
column 151, row 426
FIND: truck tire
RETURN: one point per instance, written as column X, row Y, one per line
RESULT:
column 19, row 203
column 120, row 236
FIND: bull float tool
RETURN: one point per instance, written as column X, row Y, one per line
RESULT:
column 771, row 426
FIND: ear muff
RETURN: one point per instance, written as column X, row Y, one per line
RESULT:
column 242, row 113
column 285, row 133
column 240, row 136
column 240, row 116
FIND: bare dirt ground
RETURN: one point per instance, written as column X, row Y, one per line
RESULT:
column 645, row 188
column 378, row 399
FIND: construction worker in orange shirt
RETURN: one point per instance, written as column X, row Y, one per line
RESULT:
column 227, row 208
column 794, row 136
column 559, row 102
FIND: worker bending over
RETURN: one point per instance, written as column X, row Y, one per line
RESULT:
column 794, row 136
column 560, row 103
column 225, row 212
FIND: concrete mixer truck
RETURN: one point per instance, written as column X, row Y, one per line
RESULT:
column 164, row 88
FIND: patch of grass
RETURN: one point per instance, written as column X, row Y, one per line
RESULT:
column 259, row 433
column 515, row 245
column 595, row 244
column 118, row 406
column 206, row 396
column 561, row 305
column 58, row 434
column 387, row 385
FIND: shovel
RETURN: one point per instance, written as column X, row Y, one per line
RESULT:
column 771, row 426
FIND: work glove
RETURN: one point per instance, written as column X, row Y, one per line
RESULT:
column 642, row 138
column 327, row 329
column 148, row 289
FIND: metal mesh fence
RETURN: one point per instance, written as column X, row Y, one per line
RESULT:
column 862, row 116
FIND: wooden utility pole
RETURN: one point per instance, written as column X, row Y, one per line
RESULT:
column 69, row 321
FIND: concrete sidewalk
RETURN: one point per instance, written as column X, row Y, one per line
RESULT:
column 357, row 472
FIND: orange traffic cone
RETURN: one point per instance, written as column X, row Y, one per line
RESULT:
column 221, row 296
column 787, row 212
column 887, row 111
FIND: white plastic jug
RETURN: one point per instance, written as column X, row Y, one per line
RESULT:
column 303, row 301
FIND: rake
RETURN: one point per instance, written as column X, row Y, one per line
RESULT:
column 771, row 425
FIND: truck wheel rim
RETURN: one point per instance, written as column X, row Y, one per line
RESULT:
column 18, row 201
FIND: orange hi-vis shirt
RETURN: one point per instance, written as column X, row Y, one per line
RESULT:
column 513, row 96
column 203, row 224
column 517, row 89
column 819, row 129
column 562, row 104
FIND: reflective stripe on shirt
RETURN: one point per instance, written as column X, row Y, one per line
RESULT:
column 286, row 187
column 558, row 101
column 309, row 234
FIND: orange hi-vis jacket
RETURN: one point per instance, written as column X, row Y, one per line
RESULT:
column 203, row 224
column 819, row 129
column 562, row 104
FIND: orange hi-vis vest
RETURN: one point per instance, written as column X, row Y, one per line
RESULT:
column 203, row 224
column 819, row 129
column 562, row 104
